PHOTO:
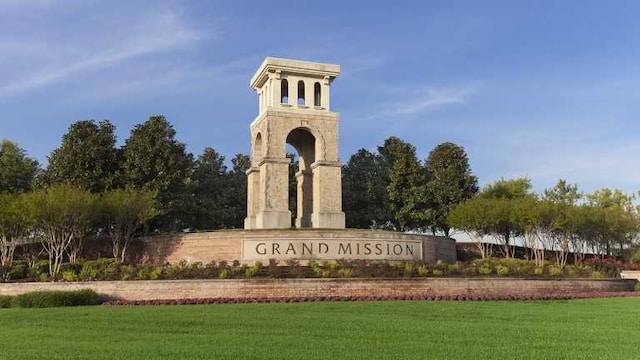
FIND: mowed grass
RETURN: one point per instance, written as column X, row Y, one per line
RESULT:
column 573, row 329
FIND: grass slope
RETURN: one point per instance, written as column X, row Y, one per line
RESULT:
column 574, row 329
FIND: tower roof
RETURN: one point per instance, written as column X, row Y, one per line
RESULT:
column 298, row 67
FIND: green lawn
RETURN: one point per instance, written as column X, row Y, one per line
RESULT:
column 575, row 329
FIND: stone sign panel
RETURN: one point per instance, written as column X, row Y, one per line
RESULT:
column 331, row 249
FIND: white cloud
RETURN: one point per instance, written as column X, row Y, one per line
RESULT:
column 411, row 102
column 157, row 32
column 427, row 98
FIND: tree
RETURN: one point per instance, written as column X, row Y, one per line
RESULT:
column 124, row 212
column 508, row 189
column 87, row 158
column 208, row 188
column 15, row 223
column 563, row 218
column 616, row 219
column 17, row 170
column 63, row 213
column 155, row 161
column 364, row 187
column 451, row 182
column 237, row 199
column 407, row 184
column 472, row 217
column 503, row 192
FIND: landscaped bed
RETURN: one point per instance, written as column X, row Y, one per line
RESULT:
column 111, row 269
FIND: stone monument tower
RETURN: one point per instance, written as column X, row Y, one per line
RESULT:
column 294, row 108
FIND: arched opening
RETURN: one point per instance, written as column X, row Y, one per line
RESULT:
column 257, row 149
column 304, row 144
column 317, row 99
column 300, row 92
column 284, row 91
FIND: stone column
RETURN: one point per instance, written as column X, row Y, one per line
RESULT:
column 274, row 190
column 327, row 195
column 304, row 198
column 253, row 197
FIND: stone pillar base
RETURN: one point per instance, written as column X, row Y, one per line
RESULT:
column 328, row 220
column 250, row 222
column 273, row 220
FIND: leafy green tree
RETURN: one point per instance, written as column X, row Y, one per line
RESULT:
column 615, row 219
column 364, row 187
column 237, row 200
column 508, row 189
column 531, row 216
column 407, row 184
column 124, row 212
column 563, row 218
column 451, row 182
column 472, row 217
column 17, row 170
column 208, row 189
column 15, row 223
column 155, row 161
column 88, row 157
column 503, row 191
column 63, row 213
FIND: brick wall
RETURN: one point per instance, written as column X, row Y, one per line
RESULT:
column 227, row 245
column 175, row 289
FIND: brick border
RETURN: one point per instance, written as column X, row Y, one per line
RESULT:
column 245, row 288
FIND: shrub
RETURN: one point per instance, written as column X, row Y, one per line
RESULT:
column 127, row 272
column 555, row 270
column 69, row 276
column 6, row 301
column 455, row 268
column 18, row 272
column 596, row 275
column 89, row 271
column 423, row 271
column 438, row 272
column 408, row 268
column 253, row 270
column 637, row 286
column 43, row 299
column 502, row 270
column 538, row 270
column 484, row 270
column 345, row 272
column 224, row 273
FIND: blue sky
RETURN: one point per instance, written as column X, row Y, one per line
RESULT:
column 544, row 89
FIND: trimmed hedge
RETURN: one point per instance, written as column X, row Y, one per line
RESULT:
column 45, row 299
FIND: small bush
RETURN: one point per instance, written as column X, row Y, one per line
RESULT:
column 6, row 301
column 224, row 273
column 502, row 270
column 423, row 271
column 345, row 272
column 637, row 286
column 438, row 272
column 43, row 299
column 555, row 270
column 484, row 270
column 18, row 272
column 89, row 271
column 538, row 271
